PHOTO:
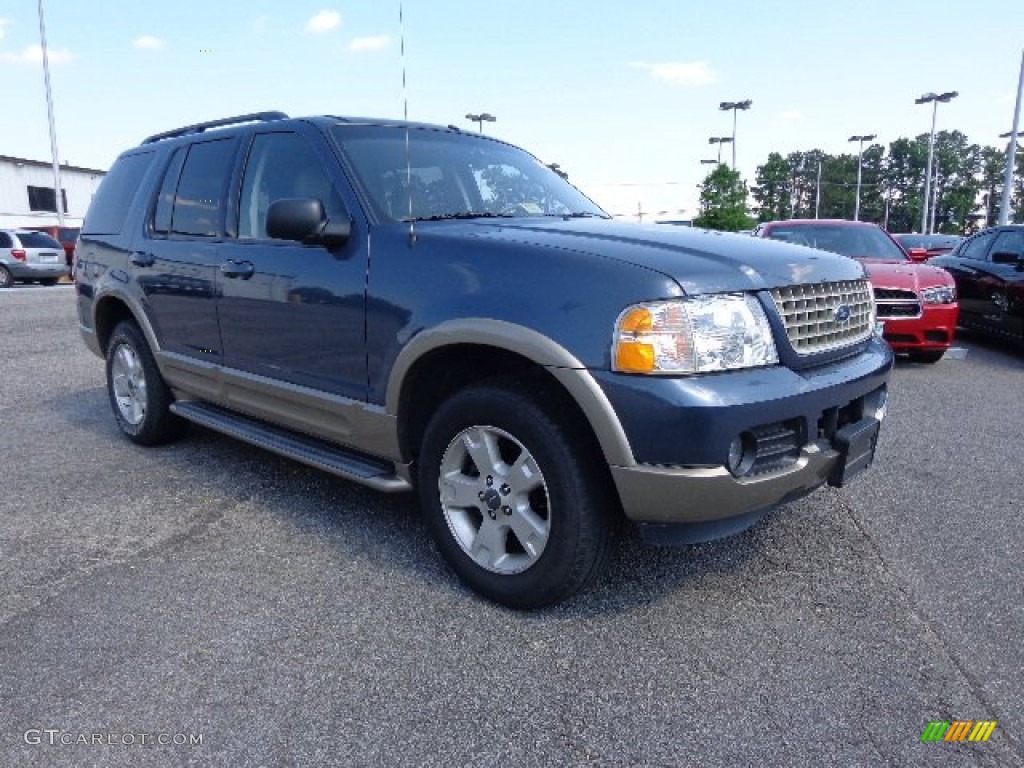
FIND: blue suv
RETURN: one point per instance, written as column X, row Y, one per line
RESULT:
column 413, row 307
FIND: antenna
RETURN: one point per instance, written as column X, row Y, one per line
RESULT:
column 405, row 115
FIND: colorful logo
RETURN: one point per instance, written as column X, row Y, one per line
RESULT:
column 958, row 730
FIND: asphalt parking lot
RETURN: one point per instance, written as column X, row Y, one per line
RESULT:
column 210, row 604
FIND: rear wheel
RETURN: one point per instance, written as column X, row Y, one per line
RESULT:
column 138, row 394
column 926, row 356
column 6, row 278
column 517, row 500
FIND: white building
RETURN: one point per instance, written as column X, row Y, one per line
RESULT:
column 26, row 192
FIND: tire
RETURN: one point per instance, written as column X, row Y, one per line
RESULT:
column 527, row 483
column 926, row 356
column 6, row 278
column 139, row 396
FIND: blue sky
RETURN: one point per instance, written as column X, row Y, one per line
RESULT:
column 624, row 96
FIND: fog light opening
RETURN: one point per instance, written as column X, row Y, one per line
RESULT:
column 742, row 454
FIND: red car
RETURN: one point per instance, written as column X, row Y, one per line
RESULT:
column 916, row 302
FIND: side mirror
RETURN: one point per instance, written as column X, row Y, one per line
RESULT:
column 917, row 254
column 303, row 219
column 1005, row 257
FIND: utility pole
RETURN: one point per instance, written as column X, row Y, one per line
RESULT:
column 58, row 198
column 1011, row 154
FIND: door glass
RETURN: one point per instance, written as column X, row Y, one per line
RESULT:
column 977, row 247
column 199, row 203
column 280, row 166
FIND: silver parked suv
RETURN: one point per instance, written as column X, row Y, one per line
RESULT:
column 26, row 256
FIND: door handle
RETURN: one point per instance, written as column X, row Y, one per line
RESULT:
column 242, row 269
column 142, row 259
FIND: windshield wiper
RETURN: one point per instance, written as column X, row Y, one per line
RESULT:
column 462, row 215
column 581, row 215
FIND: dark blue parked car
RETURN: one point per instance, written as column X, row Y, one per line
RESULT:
column 411, row 306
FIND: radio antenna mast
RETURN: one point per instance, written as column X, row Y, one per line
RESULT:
column 405, row 116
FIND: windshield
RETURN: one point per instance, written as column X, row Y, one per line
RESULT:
column 858, row 242
column 932, row 242
column 453, row 175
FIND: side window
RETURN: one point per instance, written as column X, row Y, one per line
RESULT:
column 1009, row 242
column 199, row 201
column 5, row 240
column 109, row 207
column 977, row 247
column 164, row 209
column 282, row 165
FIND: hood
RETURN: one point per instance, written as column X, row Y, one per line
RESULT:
column 701, row 261
column 906, row 275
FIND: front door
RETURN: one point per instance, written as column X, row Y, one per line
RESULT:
column 291, row 315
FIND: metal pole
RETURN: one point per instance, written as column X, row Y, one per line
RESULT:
column 734, row 138
column 928, row 172
column 1011, row 154
column 860, row 160
column 57, row 197
column 817, row 191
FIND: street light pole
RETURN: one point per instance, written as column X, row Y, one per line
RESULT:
column 482, row 118
column 934, row 99
column 720, row 140
column 1011, row 154
column 860, row 161
column 725, row 106
column 58, row 198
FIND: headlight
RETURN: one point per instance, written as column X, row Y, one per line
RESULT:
column 704, row 333
column 940, row 294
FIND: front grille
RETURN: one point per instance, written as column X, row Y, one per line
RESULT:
column 899, row 309
column 894, row 294
column 810, row 317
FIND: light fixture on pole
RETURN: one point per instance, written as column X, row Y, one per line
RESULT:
column 1011, row 153
column 712, row 161
column 934, row 100
column 860, row 161
column 720, row 140
column 58, row 198
column 483, row 117
column 725, row 106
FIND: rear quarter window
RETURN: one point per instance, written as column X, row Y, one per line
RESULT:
column 110, row 205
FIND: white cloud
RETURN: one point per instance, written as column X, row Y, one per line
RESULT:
column 324, row 21
column 33, row 54
column 375, row 43
column 148, row 43
column 260, row 25
column 680, row 72
column 4, row 24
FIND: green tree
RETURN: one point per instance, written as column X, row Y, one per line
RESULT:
column 773, row 192
column 723, row 201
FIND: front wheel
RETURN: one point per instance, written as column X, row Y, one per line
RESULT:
column 518, row 501
column 139, row 396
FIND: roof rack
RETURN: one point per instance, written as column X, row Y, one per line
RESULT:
column 200, row 127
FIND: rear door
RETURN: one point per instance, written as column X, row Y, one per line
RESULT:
column 176, row 263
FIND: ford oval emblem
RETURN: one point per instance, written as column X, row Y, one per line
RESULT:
column 842, row 314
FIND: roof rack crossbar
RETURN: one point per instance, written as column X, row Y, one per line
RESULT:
column 200, row 127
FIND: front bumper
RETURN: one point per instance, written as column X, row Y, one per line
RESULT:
column 933, row 330
column 680, row 431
